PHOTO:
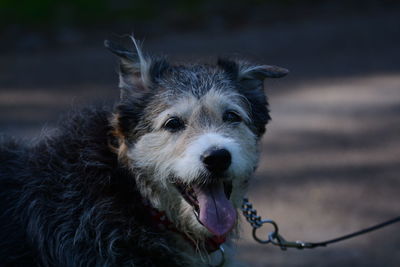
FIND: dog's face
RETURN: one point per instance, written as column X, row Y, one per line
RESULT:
column 190, row 135
column 197, row 153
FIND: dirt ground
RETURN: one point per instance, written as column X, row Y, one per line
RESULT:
column 331, row 156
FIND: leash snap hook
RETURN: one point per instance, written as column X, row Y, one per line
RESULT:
column 277, row 240
column 269, row 237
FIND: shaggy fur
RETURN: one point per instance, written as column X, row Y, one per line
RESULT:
column 76, row 198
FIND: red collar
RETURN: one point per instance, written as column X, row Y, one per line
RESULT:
column 160, row 221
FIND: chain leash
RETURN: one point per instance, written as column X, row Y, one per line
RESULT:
column 276, row 239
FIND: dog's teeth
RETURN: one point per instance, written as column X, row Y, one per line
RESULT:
column 195, row 213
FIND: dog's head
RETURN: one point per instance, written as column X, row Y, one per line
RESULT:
column 190, row 135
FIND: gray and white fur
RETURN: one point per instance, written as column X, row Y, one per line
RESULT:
column 179, row 136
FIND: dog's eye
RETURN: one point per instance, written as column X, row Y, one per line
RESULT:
column 174, row 124
column 231, row 116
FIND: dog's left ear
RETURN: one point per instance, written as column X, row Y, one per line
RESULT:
column 137, row 72
column 251, row 76
column 261, row 71
column 250, row 80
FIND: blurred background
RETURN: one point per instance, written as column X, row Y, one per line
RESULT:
column 331, row 156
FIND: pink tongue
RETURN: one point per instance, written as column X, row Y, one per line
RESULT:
column 216, row 212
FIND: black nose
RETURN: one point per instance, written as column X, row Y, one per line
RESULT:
column 216, row 159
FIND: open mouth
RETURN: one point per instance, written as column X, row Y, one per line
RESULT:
column 211, row 205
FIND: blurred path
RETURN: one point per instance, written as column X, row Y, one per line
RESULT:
column 331, row 166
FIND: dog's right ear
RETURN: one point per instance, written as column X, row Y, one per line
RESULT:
column 137, row 72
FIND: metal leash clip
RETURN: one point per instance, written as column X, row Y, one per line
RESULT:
column 273, row 237
column 276, row 239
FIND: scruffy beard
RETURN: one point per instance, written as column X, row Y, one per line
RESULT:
column 179, row 200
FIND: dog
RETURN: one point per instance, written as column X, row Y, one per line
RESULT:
column 155, row 181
